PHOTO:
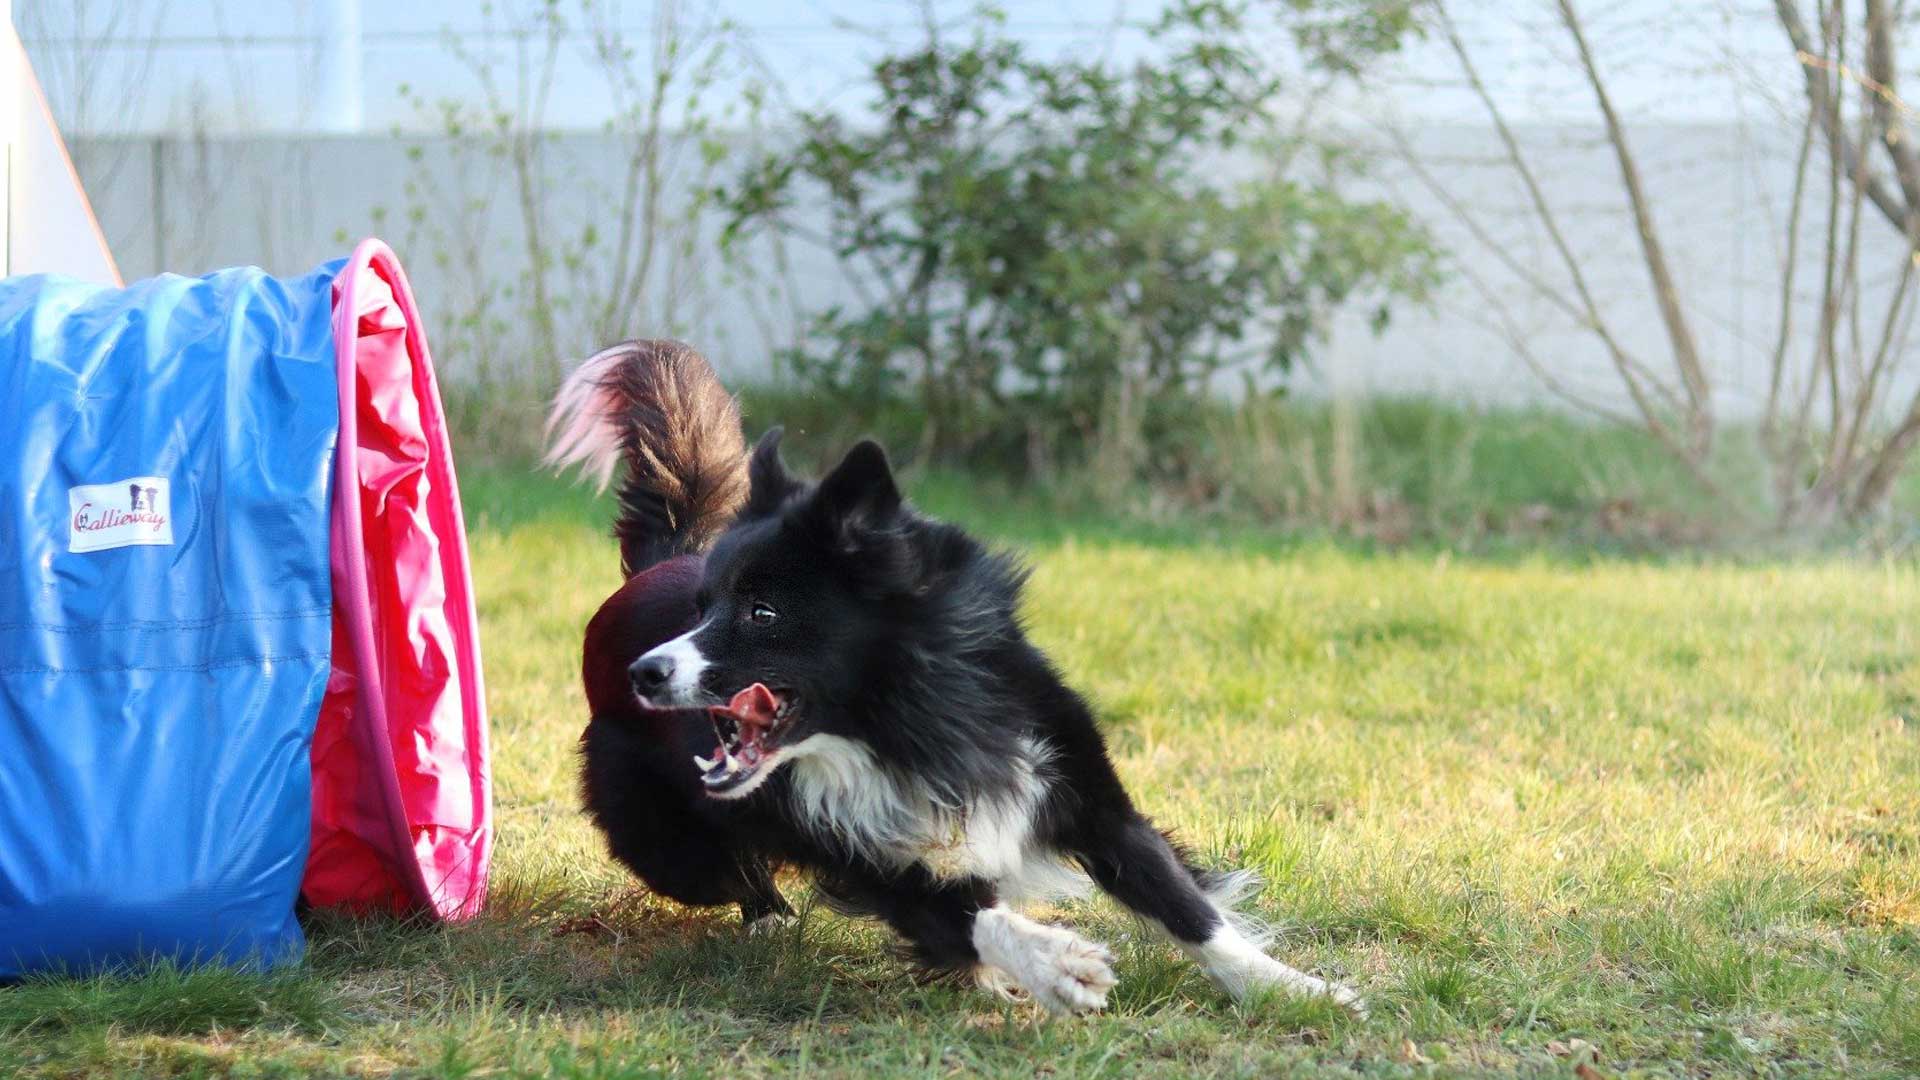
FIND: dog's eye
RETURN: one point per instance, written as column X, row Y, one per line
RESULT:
column 762, row 615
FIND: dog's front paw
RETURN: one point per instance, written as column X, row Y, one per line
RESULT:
column 1058, row 968
column 1073, row 974
column 1000, row 984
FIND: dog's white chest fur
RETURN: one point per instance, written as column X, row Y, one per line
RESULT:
column 844, row 795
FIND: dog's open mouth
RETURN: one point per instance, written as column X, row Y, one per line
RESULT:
column 749, row 729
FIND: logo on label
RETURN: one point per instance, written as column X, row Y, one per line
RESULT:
column 121, row 514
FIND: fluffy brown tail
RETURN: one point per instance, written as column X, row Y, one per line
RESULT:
column 657, row 408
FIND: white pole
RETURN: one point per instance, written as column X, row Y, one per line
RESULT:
column 338, row 85
column 48, row 223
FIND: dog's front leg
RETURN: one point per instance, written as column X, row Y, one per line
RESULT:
column 762, row 906
column 959, row 926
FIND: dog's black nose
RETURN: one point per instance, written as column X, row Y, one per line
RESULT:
column 650, row 673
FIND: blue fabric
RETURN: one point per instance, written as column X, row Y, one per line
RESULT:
column 157, row 699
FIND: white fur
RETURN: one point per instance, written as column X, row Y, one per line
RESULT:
column 1061, row 970
column 842, row 791
column 1240, row 967
column 1229, row 893
column 583, row 424
column 683, row 687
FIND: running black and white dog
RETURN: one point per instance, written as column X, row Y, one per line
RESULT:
column 842, row 685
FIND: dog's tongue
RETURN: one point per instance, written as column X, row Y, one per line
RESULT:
column 755, row 705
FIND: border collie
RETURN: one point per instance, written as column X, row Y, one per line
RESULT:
column 816, row 675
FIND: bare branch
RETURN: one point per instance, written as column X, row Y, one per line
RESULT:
column 1888, row 462
column 1495, row 317
column 1686, row 355
column 1640, row 381
column 1883, row 97
column 1516, row 159
column 1845, row 424
column 1890, row 204
column 1789, row 263
column 1824, row 364
column 1885, row 352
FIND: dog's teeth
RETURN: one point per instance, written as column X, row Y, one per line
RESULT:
column 706, row 765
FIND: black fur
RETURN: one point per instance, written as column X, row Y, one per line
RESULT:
column 678, row 435
column 888, row 629
column 636, row 780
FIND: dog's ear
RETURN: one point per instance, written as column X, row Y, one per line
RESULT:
column 858, row 511
column 859, row 494
column 768, row 485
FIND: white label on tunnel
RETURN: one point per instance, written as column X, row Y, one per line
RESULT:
column 126, row 512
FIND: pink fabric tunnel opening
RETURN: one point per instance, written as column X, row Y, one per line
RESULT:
column 401, row 790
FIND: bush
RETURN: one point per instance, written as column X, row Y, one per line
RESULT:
column 1054, row 248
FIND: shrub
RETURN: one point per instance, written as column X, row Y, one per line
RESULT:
column 1054, row 249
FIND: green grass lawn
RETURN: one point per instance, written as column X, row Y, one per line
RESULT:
column 1668, row 811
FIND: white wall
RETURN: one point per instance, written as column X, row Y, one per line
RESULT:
column 290, row 202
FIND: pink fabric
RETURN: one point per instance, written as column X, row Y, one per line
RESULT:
column 401, row 790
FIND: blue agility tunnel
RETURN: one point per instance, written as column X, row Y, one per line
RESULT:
column 237, row 648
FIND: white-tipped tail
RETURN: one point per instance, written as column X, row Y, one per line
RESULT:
column 655, row 413
column 584, row 425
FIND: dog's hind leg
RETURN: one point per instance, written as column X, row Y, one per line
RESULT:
column 1136, row 865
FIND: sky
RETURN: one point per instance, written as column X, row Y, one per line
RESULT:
column 227, row 66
